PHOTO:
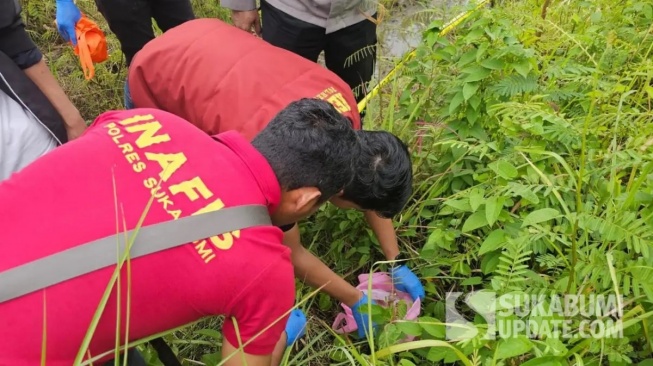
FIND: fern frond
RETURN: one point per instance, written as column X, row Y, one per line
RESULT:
column 367, row 51
column 620, row 228
column 511, row 273
column 515, row 85
column 641, row 277
column 422, row 16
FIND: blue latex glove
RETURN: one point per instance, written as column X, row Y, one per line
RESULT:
column 295, row 327
column 67, row 16
column 362, row 319
column 405, row 280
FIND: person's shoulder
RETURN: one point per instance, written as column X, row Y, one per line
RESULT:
column 140, row 115
column 9, row 13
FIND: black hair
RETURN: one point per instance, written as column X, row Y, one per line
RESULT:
column 310, row 144
column 383, row 180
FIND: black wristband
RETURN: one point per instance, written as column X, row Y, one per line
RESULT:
column 399, row 260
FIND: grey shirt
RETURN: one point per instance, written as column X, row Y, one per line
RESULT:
column 22, row 137
column 332, row 15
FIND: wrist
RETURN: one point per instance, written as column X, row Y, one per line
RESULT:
column 353, row 298
column 399, row 260
column 391, row 255
column 361, row 301
column 71, row 116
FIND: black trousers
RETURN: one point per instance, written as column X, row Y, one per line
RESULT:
column 308, row 40
column 131, row 20
column 133, row 359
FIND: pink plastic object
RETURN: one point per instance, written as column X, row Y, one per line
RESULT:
column 382, row 288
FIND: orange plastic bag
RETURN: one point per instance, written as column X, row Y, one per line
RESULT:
column 91, row 45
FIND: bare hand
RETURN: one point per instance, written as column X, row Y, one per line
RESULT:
column 247, row 20
column 75, row 129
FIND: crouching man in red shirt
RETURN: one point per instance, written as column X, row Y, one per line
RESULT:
column 220, row 78
column 86, row 189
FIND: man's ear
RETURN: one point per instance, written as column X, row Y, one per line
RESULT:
column 306, row 198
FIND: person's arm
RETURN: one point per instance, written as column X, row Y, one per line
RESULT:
column 314, row 272
column 403, row 278
column 41, row 76
column 242, row 358
column 244, row 14
column 258, row 315
column 385, row 234
column 16, row 43
column 311, row 269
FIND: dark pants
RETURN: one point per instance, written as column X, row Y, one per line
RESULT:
column 131, row 20
column 134, row 358
column 308, row 40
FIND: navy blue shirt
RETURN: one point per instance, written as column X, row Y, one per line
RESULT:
column 14, row 40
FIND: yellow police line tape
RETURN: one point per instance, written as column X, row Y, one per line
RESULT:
column 453, row 23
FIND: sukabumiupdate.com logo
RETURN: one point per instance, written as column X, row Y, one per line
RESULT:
column 532, row 315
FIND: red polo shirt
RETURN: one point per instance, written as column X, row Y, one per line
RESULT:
column 221, row 78
column 66, row 198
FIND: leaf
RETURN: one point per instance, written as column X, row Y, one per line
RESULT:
column 432, row 326
column 425, row 343
column 475, row 101
column 405, row 362
column 522, row 67
column 514, row 85
column 460, row 205
column 390, row 335
column 541, row 215
column 477, row 73
column 409, row 328
column 469, row 89
column 212, row 333
column 649, row 90
column 324, row 302
column 490, row 262
column 476, row 198
column 456, row 101
column 435, row 236
column 468, row 57
column 475, row 221
column 431, row 38
column 543, row 361
column 472, row 281
column 211, row 359
column 504, row 169
column 513, row 347
column 493, row 207
column 493, row 241
column 493, row 64
column 422, row 79
column 472, row 115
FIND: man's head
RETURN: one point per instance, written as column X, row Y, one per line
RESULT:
column 383, row 180
column 311, row 148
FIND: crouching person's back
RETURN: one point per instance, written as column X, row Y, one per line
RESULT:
column 103, row 181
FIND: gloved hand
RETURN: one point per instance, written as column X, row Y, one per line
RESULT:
column 67, row 16
column 295, row 327
column 362, row 319
column 405, row 280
